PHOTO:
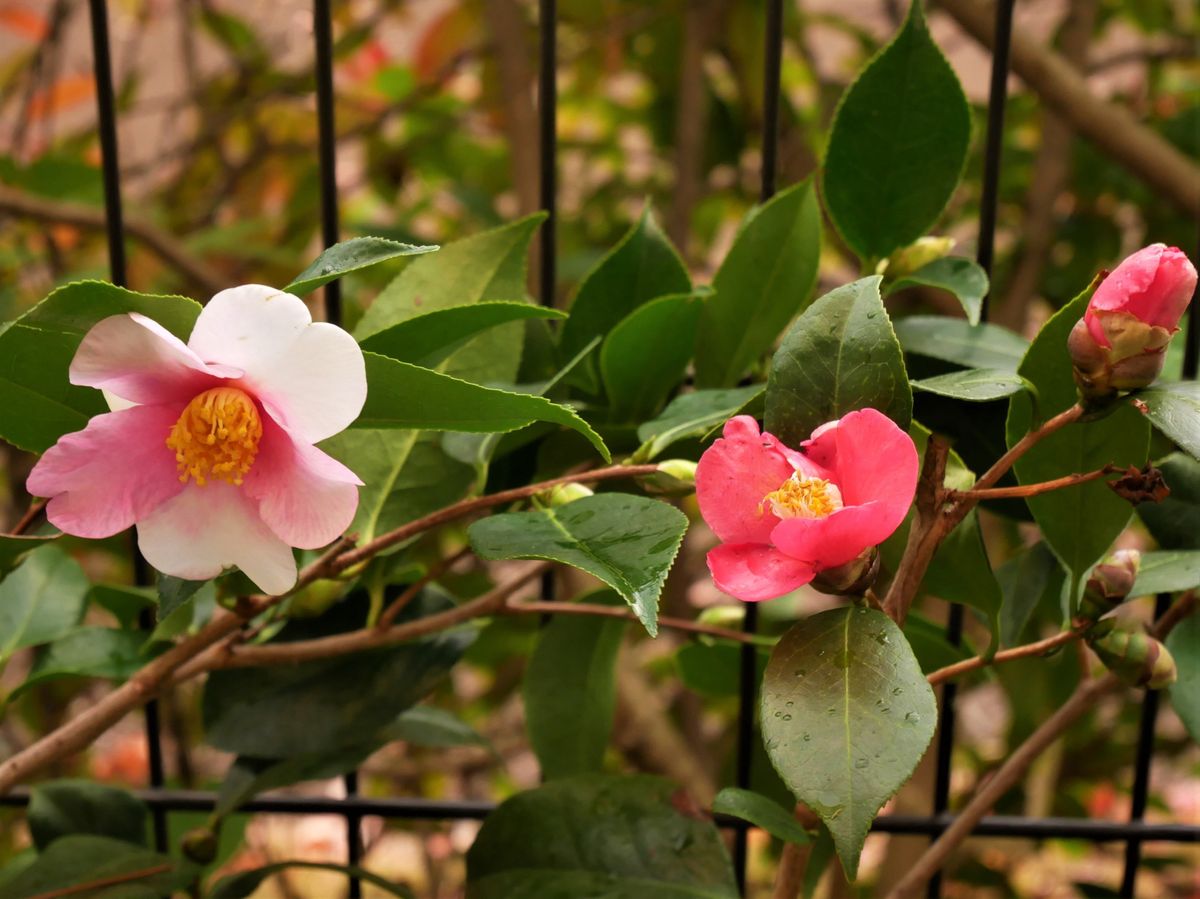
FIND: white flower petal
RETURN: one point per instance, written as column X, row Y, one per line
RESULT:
column 310, row 376
column 206, row 529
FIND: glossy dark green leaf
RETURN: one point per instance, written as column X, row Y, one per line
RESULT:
column 954, row 340
column 173, row 592
column 979, row 385
column 840, row 355
column 961, row 572
column 37, row 402
column 244, row 884
column 570, row 691
column 766, row 278
column 109, row 653
column 646, row 354
column 61, row 808
column 929, row 644
column 640, row 268
column 1167, row 571
column 351, row 256
column 126, row 603
column 73, row 861
column 846, row 715
column 693, row 415
column 713, row 669
column 1184, row 644
column 897, row 144
column 962, row 277
column 761, row 812
column 628, row 837
column 425, row 725
column 1175, row 522
column 14, row 548
column 1028, row 580
column 318, row 707
column 406, row 474
column 1174, row 409
column 41, row 601
column 629, row 542
column 1078, row 523
column 400, row 395
column 430, row 338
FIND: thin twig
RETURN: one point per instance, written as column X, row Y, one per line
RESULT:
column 1039, row 648
column 548, row 607
column 32, row 514
column 102, row 882
column 398, row 605
column 1022, row 491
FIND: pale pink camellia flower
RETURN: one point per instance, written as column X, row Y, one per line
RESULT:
column 210, row 450
column 785, row 515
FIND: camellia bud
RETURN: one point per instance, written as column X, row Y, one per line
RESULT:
column 1109, row 584
column 918, row 254
column 674, row 476
column 1121, row 341
column 200, row 846
column 1137, row 658
column 561, row 494
column 852, row 579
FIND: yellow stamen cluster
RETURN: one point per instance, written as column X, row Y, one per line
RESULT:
column 801, row 497
column 216, row 436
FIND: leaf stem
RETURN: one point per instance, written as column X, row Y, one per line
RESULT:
column 1020, row 491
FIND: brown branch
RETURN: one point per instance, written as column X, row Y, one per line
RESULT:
column 1026, row 490
column 163, row 245
column 1041, row 647
column 1113, row 129
column 413, row 590
column 32, row 514
column 1014, row 768
column 112, row 880
column 581, row 608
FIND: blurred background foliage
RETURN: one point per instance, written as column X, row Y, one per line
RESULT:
column 660, row 102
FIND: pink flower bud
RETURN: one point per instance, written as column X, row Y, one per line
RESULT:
column 1120, row 342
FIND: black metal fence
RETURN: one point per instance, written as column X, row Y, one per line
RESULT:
column 162, row 800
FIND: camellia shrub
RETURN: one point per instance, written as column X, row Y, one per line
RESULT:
column 301, row 493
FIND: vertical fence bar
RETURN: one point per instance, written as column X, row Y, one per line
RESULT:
column 748, row 659
column 327, row 157
column 985, row 253
column 547, row 108
column 106, row 111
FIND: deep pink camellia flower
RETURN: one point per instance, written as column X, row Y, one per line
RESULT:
column 209, row 449
column 1121, row 341
column 785, row 515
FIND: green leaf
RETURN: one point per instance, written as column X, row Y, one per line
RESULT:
column 955, row 274
column 761, row 812
column 110, row 653
column 1184, row 644
column 646, row 355
column 766, row 278
column 41, row 601
column 693, row 415
column 351, row 256
column 61, row 808
column 400, row 395
column 617, row 837
column 897, row 145
column 954, row 340
column 425, row 725
column 1027, row 580
column 1168, row 571
column 173, row 592
column 14, row 548
column 406, row 475
column 627, row 541
column 84, row 858
column 1175, row 410
column 840, row 355
column 713, row 669
column 978, row 385
column 430, row 338
column 961, row 572
column 570, row 691
column 124, row 602
column 1175, row 522
column 37, row 402
column 846, row 715
column 929, row 644
column 244, row 883
column 641, row 267
column 819, row 858
column 1078, row 523
column 283, row 712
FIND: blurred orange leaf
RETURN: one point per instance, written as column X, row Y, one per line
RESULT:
column 63, row 94
column 24, row 21
column 447, row 36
